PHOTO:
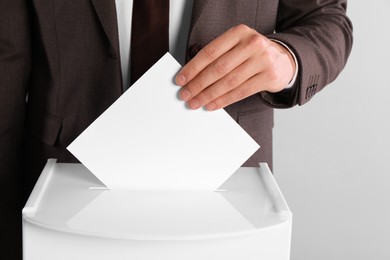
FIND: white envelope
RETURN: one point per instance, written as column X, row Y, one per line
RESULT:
column 149, row 140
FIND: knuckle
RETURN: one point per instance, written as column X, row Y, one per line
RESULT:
column 197, row 86
column 243, row 28
column 232, row 80
column 220, row 67
column 241, row 93
column 189, row 70
column 206, row 96
column 210, row 52
column 257, row 42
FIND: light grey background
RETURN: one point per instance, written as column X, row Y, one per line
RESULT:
column 332, row 155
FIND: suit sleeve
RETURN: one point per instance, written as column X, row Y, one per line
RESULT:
column 320, row 35
column 14, row 74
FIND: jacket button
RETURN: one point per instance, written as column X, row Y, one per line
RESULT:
column 194, row 49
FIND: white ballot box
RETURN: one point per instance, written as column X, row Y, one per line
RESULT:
column 71, row 215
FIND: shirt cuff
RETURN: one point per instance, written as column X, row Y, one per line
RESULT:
column 294, row 78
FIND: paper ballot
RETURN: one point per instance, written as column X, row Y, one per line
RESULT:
column 149, row 140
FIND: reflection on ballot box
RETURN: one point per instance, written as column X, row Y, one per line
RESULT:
column 72, row 215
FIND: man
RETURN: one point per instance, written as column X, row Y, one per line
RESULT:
column 66, row 59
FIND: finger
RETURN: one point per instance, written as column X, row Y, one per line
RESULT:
column 208, row 54
column 214, row 72
column 231, row 81
column 250, row 87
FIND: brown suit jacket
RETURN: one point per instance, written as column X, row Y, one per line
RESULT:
column 65, row 56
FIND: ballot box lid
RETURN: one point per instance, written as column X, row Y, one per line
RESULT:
column 69, row 198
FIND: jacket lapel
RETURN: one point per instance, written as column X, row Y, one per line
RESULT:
column 106, row 12
column 197, row 10
column 193, row 35
column 212, row 18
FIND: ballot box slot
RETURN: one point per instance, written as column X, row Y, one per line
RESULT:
column 106, row 188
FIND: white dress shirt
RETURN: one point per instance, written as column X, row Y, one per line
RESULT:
column 180, row 12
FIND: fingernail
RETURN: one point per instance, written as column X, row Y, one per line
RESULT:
column 180, row 80
column 185, row 95
column 211, row 106
column 194, row 103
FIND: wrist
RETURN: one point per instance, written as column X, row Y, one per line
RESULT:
column 293, row 61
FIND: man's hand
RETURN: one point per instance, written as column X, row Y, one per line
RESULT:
column 236, row 65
